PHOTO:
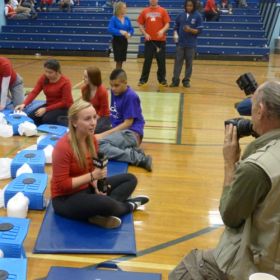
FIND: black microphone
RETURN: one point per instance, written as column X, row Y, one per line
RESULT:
column 101, row 162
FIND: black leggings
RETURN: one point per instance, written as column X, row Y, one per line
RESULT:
column 50, row 117
column 86, row 203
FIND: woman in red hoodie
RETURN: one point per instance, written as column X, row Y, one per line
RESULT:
column 57, row 89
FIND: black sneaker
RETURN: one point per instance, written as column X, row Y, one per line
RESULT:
column 105, row 222
column 186, row 84
column 163, row 84
column 142, row 84
column 174, row 84
column 138, row 201
column 146, row 163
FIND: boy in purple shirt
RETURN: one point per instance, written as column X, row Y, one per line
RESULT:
column 123, row 140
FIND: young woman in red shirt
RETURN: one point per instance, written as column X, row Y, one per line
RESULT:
column 74, row 185
column 57, row 89
column 96, row 93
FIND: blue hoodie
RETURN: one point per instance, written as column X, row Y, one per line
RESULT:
column 194, row 20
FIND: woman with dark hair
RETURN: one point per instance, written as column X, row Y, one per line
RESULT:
column 121, row 28
column 187, row 27
column 75, row 191
column 57, row 89
column 96, row 93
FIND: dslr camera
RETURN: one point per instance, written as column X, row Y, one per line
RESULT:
column 247, row 83
column 244, row 127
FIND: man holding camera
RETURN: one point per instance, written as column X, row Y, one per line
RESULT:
column 249, row 204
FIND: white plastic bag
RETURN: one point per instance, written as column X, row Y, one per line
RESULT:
column 25, row 168
column 27, row 129
column 48, row 153
column 2, row 118
column 5, row 168
column 2, row 197
column 6, row 130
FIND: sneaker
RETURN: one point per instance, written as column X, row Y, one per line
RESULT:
column 174, row 84
column 146, row 163
column 142, row 84
column 138, row 201
column 163, row 84
column 186, row 84
column 139, row 150
column 105, row 222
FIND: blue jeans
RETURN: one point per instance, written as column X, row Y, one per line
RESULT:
column 244, row 107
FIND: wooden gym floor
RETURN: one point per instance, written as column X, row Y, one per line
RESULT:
column 184, row 135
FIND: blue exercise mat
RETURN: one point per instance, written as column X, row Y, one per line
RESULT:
column 58, row 273
column 62, row 235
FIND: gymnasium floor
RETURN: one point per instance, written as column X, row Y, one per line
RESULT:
column 184, row 135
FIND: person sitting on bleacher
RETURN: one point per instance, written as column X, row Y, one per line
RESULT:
column 45, row 5
column 66, row 5
column 75, row 189
column 211, row 11
column 31, row 5
column 242, row 3
column 225, row 6
column 57, row 89
column 11, row 13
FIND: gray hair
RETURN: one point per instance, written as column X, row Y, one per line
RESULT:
column 269, row 95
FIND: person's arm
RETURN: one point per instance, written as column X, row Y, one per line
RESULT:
column 130, row 27
column 141, row 24
column 66, row 98
column 198, row 29
column 126, row 124
column 166, row 21
column 104, row 102
column 112, row 28
column 248, row 187
column 34, row 93
column 4, row 91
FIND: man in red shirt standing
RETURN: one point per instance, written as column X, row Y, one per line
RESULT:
column 11, row 82
column 154, row 22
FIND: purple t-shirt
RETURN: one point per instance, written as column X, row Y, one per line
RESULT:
column 127, row 106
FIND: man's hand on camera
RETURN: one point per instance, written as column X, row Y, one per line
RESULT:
column 231, row 148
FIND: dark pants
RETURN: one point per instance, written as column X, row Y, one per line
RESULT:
column 86, row 203
column 157, row 49
column 211, row 16
column 50, row 117
column 187, row 54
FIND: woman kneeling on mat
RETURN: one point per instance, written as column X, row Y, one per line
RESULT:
column 74, row 189
column 57, row 89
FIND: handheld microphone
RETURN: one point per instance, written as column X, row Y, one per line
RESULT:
column 101, row 162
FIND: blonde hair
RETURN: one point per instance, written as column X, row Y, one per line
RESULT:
column 73, row 112
column 118, row 6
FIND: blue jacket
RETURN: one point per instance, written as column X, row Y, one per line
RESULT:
column 194, row 20
column 115, row 25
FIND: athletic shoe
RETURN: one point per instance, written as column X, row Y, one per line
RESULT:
column 105, row 222
column 138, row 201
column 146, row 163
column 186, row 84
column 142, row 84
column 163, row 84
column 174, row 84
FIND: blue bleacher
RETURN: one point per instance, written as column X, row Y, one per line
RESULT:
column 85, row 30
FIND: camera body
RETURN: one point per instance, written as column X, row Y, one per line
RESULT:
column 101, row 162
column 244, row 127
column 247, row 83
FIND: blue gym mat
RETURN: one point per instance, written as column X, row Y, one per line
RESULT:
column 62, row 235
column 58, row 273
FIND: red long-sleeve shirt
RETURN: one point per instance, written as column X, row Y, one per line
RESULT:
column 65, row 167
column 6, row 70
column 210, row 6
column 58, row 94
column 100, row 101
